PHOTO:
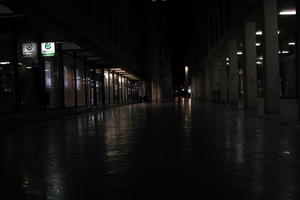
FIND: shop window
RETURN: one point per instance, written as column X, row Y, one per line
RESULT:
column 29, row 77
column 111, row 87
column 106, row 85
column 69, row 83
column 51, row 83
column 90, row 88
column 80, row 83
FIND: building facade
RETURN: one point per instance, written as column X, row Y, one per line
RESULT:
column 250, row 53
column 51, row 61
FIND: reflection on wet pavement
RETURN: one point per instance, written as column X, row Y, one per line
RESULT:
column 189, row 150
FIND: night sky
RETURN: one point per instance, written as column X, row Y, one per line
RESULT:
column 180, row 22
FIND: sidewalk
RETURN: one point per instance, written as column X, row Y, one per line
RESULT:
column 288, row 112
column 8, row 120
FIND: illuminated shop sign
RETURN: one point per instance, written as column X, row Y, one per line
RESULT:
column 29, row 49
column 48, row 49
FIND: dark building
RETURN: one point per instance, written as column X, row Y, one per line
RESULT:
column 100, row 52
column 246, row 55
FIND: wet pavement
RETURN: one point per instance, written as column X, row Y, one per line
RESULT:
column 191, row 150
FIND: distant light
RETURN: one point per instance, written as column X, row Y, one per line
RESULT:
column 260, row 58
column 258, row 44
column 227, row 59
column 292, row 43
column 283, row 52
column 286, row 152
column 259, row 63
column 28, row 67
column 189, row 90
column 20, row 63
column 227, row 63
column 239, row 53
column 288, row 12
column 259, row 32
column 4, row 63
column 186, row 69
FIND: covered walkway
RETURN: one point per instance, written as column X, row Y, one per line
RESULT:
column 191, row 150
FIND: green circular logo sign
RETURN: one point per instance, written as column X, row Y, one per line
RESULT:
column 29, row 47
column 48, row 46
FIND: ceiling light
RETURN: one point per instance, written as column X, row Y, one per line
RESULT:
column 288, row 12
column 283, row 52
column 292, row 44
column 239, row 53
column 258, row 44
column 259, row 32
column 4, row 63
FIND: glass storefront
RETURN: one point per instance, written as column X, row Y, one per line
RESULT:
column 106, row 83
column 98, row 87
column 81, row 85
column 116, row 89
column 90, row 88
column 29, row 77
column 111, row 87
column 53, row 81
column 7, row 74
column 69, row 83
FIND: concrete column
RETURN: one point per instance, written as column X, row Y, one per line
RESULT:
column 207, row 86
column 103, row 85
column 233, row 73
column 298, row 53
column 216, row 81
column 223, row 81
column 94, row 87
column 250, row 71
column 271, row 60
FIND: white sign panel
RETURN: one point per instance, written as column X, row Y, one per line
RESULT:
column 29, row 49
column 48, row 49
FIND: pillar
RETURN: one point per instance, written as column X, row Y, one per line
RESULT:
column 109, row 87
column 223, row 81
column 271, row 60
column 216, row 81
column 75, row 78
column 298, row 53
column 42, row 101
column 86, row 83
column 233, row 73
column 250, row 71
column 103, row 85
column 95, row 87
column 60, row 64
column 113, row 87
